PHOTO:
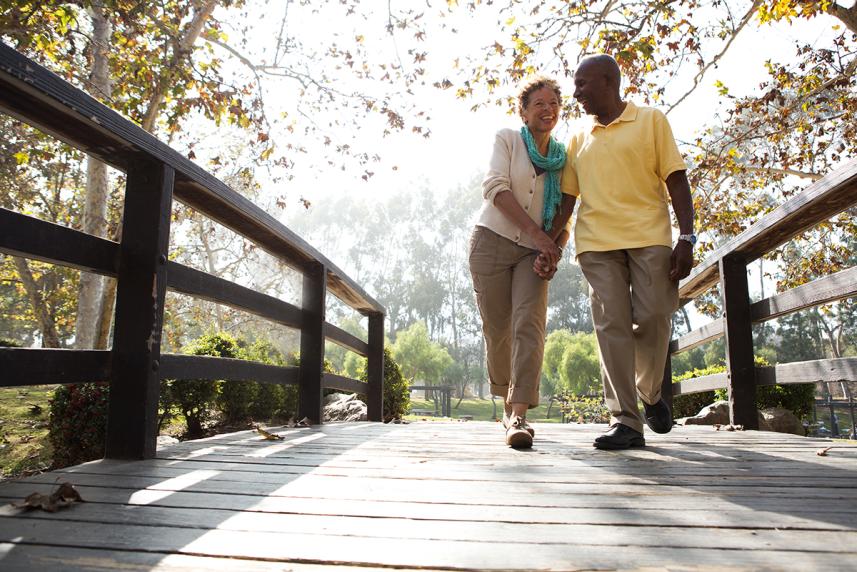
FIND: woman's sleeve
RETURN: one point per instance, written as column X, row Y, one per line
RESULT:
column 498, row 177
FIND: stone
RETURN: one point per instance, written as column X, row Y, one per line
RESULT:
column 782, row 421
column 714, row 414
column 344, row 407
column 164, row 440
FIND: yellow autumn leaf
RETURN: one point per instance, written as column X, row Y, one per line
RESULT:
column 21, row 158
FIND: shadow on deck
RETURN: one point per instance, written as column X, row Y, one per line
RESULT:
column 450, row 496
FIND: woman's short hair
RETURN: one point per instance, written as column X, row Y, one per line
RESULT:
column 534, row 84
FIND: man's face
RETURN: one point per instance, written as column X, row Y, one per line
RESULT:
column 590, row 88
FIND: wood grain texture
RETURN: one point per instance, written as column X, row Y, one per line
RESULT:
column 450, row 496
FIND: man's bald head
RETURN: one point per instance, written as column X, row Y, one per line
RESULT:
column 603, row 64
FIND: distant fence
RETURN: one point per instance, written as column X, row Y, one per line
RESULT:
column 727, row 267
column 157, row 174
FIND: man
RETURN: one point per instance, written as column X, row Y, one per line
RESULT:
column 622, row 165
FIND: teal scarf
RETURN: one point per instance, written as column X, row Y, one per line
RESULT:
column 552, row 165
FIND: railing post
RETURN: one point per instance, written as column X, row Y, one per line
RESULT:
column 132, row 420
column 738, row 333
column 375, row 368
column 314, row 304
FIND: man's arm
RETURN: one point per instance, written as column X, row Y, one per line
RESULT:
column 505, row 201
column 682, row 256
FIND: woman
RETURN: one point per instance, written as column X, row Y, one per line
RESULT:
column 514, row 250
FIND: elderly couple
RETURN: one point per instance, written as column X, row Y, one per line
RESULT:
column 624, row 168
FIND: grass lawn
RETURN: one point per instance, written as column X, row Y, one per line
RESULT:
column 24, row 446
column 483, row 410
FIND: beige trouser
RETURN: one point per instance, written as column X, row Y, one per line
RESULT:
column 633, row 300
column 512, row 301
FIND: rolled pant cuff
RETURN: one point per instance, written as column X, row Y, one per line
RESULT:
column 524, row 395
column 499, row 391
column 632, row 422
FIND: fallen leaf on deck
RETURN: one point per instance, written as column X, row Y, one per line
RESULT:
column 823, row 452
column 63, row 496
column 304, row 422
column 268, row 436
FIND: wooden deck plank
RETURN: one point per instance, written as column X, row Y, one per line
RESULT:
column 432, row 495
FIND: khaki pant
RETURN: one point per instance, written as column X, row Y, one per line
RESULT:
column 633, row 301
column 512, row 301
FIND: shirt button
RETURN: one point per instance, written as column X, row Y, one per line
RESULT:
column 526, row 208
column 531, row 191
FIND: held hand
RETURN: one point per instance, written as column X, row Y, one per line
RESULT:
column 681, row 260
column 543, row 269
column 547, row 249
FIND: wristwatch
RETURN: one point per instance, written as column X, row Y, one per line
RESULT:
column 691, row 238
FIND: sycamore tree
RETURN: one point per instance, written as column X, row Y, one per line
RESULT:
column 165, row 64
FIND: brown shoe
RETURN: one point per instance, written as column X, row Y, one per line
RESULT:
column 526, row 426
column 517, row 436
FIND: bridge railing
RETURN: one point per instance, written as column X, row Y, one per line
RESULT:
column 727, row 267
column 156, row 176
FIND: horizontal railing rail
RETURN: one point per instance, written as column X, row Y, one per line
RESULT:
column 727, row 267
column 157, row 175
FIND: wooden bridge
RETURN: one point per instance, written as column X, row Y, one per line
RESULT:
column 450, row 496
column 421, row 496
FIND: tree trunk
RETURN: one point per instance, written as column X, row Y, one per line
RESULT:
column 156, row 100
column 47, row 326
column 97, row 187
column 847, row 16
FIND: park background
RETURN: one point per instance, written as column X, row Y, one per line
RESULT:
column 365, row 128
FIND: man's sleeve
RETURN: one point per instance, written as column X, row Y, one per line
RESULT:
column 669, row 159
column 568, row 180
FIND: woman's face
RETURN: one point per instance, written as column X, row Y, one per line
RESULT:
column 542, row 111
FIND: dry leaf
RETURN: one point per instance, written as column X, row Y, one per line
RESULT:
column 717, row 426
column 823, row 452
column 305, row 422
column 268, row 436
column 64, row 495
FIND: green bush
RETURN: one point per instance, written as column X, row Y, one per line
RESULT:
column 271, row 400
column 195, row 398
column 78, row 423
column 397, row 394
column 583, row 408
column 6, row 343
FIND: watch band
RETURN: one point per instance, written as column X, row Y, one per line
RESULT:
column 691, row 238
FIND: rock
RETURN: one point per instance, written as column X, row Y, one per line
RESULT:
column 344, row 407
column 716, row 413
column 782, row 421
column 164, row 440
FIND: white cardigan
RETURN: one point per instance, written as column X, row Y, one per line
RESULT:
column 510, row 169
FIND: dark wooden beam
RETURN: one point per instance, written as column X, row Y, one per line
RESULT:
column 314, row 305
column 195, row 283
column 825, row 198
column 178, row 366
column 141, row 287
column 25, row 366
column 375, row 368
column 825, row 370
column 738, row 332
column 700, row 384
column 29, row 237
column 334, row 381
column 837, row 286
column 346, row 340
column 697, row 337
column 36, row 96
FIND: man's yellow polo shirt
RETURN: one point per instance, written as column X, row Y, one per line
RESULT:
column 618, row 173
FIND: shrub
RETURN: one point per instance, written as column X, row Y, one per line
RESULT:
column 271, row 400
column 397, row 394
column 583, row 408
column 195, row 398
column 78, row 423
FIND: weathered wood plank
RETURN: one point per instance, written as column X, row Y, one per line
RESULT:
column 843, row 284
column 697, row 337
column 193, row 282
column 700, row 384
column 346, row 340
column 334, row 381
column 29, row 237
column 829, row 370
column 456, row 554
column 738, row 333
column 30, row 366
column 178, row 366
column 375, row 368
column 311, row 376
